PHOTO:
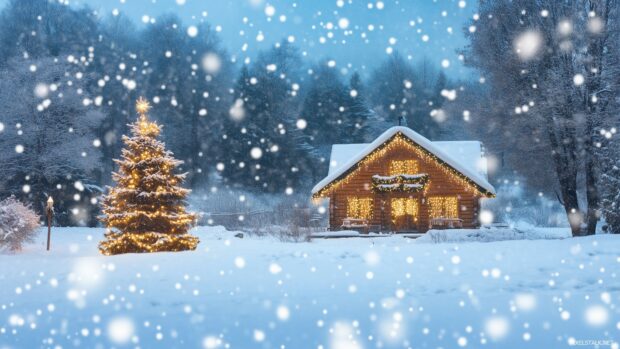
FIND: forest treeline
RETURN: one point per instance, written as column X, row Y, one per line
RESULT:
column 70, row 78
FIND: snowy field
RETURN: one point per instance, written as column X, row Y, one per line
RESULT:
column 384, row 292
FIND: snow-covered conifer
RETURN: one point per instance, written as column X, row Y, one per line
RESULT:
column 145, row 212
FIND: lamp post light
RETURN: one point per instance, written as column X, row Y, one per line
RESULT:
column 49, row 211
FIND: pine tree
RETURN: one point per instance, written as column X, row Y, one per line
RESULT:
column 359, row 115
column 269, row 103
column 391, row 88
column 147, row 207
column 324, row 107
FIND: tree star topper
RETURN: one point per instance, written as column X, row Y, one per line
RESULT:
column 142, row 106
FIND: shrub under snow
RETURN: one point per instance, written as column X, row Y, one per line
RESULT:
column 18, row 224
column 492, row 234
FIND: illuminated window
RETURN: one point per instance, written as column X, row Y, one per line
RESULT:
column 404, row 207
column 444, row 207
column 403, row 167
column 359, row 208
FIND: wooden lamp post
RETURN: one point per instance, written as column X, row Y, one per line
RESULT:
column 49, row 211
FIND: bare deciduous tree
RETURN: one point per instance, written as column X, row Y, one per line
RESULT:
column 51, row 123
column 557, row 82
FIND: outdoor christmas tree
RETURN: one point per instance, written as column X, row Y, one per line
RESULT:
column 145, row 212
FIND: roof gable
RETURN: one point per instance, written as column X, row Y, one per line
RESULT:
column 467, row 153
column 345, row 158
column 342, row 153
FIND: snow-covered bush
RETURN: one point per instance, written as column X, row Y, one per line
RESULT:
column 514, row 205
column 18, row 224
column 492, row 234
column 288, row 233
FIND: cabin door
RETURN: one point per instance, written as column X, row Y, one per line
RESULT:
column 404, row 212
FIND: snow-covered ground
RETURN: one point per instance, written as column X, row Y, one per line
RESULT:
column 387, row 292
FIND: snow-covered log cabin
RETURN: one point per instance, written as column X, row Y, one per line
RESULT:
column 403, row 182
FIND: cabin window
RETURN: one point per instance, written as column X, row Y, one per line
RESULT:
column 403, row 167
column 360, row 208
column 404, row 207
column 444, row 207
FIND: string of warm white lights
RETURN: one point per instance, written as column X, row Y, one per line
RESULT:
column 403, row 166
column 443, row 207
column 359, row 207
column 148, row 242
column 404, row 207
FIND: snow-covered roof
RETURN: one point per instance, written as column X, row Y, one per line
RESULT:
column 467, row 153
column 465, row 157
column 342, row 153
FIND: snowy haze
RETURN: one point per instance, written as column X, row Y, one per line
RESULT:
column 416, row 28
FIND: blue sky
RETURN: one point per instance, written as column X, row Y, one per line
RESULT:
column 416, row 28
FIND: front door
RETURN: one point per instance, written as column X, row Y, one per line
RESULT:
column 404, row 212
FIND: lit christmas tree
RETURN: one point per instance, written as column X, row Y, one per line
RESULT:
column 145, row 212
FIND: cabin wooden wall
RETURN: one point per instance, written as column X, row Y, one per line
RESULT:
column 440, row 184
